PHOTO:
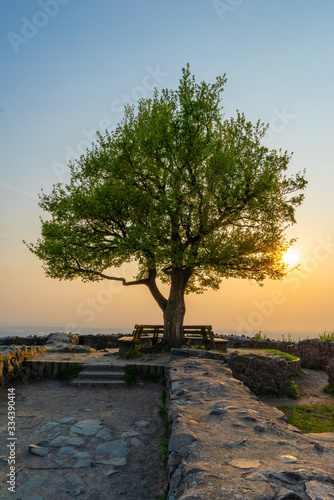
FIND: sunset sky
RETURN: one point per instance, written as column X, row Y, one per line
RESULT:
column 68, row 68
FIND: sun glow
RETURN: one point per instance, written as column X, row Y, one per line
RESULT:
column 290, row 258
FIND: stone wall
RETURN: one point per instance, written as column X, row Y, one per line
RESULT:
column 313, row 353
column 12, row 359
column 101, row 341
column 262, row 374
column 225, row 444
column 98, row 342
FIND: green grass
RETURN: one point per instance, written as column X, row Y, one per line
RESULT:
column 314, row 418
column 71, row 373
column 130, row 374
column 286, row 355
column 276, row 352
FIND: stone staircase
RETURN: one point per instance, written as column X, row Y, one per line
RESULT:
column 98, row 374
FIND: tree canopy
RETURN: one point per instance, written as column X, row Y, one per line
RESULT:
column 190, row 196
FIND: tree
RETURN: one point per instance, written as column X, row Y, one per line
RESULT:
column 190, row 196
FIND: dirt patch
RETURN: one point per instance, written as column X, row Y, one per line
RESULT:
column 129, row 416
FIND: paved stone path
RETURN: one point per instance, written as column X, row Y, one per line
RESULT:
column 90, row 444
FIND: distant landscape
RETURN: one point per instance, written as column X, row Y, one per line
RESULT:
column 23, row 331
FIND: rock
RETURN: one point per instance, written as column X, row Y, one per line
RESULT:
column 289, row 459
column 130, row 434
column 67, row 450
column 61, row 338
column 74, row 441
column 137, row 443
column 82, row 464
column 142, row 424
column 38, row 450
column 67, row 420
column 178, row 441
column 82, row 455
column 35, row 482
column 236, row 444
column 110, row 472
column 118, row 462
column 103, row 434
column 87, row 427
column 218, row 411
column 117, row 448
column 243, row 463
column 317, row 490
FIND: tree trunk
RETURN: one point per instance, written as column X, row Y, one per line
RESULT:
column 175, row 309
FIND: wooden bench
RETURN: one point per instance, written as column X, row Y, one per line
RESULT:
column 149, row 335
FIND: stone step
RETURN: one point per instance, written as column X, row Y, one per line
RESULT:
column 103, row 382
column 107, row 367
column 101, row 374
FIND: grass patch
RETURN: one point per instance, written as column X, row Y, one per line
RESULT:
column 130, row 374
column 136, row 352
column 314, row 418
column 328, row 389
column 71, row 373
column 275, row 352
column 163, row 455
column 285, row 355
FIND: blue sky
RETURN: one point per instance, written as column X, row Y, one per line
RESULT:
column 67, row 67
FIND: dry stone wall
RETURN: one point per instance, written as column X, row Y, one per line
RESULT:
column 313, row 353
column 12, row 359
column 262, row 374
column 225, row 444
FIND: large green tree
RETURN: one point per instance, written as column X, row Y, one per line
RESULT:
column 190, row 196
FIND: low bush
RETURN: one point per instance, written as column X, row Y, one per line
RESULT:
column 294, row 391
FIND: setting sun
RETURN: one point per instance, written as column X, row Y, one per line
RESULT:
column 290, row 258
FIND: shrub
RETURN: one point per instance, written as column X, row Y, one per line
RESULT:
column 326, row 335
column 294, row 392
column 328, row 389
column 259, row 336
